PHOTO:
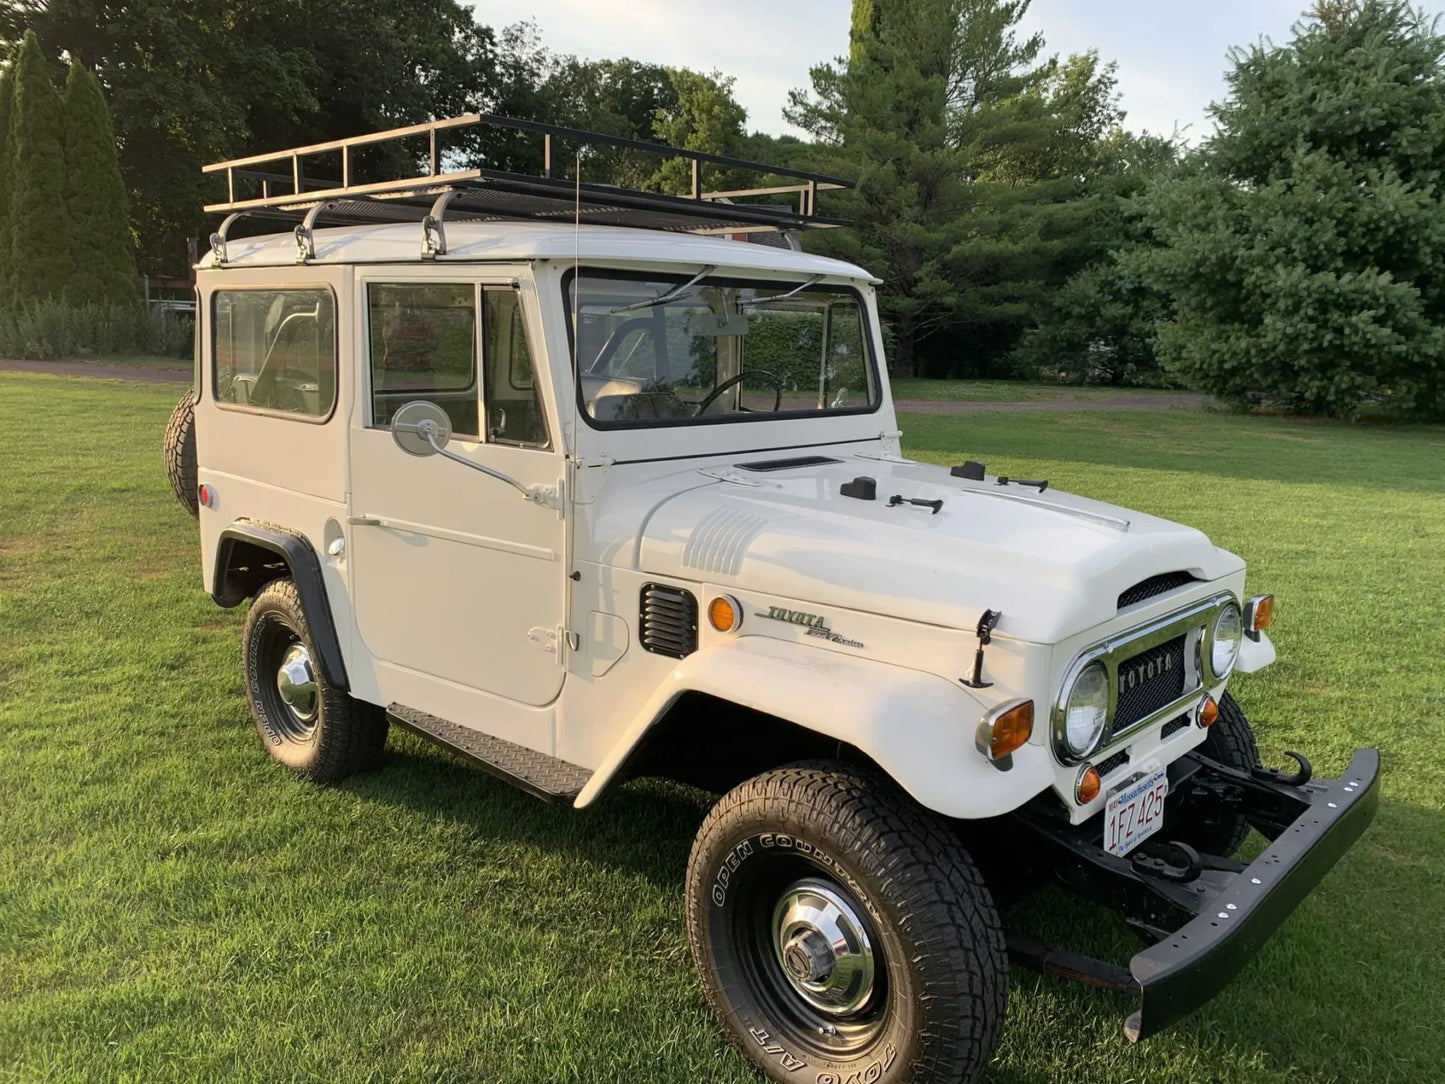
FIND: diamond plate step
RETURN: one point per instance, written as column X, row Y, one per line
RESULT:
column 537, row 773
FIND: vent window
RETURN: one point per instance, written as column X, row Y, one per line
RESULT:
column 669, row 620
column 1153, row 586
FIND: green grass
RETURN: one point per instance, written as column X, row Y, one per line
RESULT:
column 1009, row 391
column 174, row 907
column 130, row 361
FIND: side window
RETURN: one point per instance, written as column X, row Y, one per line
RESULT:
column 275, row 350
column 424, row 346
column 514, row 406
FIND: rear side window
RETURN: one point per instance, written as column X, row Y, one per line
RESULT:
column 424, row 346
column 275, row 350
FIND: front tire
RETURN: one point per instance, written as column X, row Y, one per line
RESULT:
column 842, row 930
column 304, row 722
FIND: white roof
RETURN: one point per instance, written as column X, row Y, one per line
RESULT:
column 524, row 241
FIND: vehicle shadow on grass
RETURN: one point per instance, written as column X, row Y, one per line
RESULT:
column 1309, row 1006
column 644, row 827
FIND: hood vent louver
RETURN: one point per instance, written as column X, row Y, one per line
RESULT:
column 1153, row 587
column 669, row 620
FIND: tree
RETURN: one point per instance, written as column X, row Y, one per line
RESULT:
column 95, row 197
column 1304, row 252
column 211, row 79
column 41, row 239
column 964, row 203
column 7, row 103
column 706, row 118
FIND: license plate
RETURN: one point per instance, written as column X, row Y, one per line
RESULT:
column 1135, row 811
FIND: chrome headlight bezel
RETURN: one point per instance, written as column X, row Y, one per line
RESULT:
column 1096, row 675
column 1228, row 641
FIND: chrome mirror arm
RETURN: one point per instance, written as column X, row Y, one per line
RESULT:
column 428, row 430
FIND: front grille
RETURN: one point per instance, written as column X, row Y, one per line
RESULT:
column 1149, row 681
column 1154, row 586
column 764, row 465
column 669, row 620
column 1109, row 764
column 1173, row 726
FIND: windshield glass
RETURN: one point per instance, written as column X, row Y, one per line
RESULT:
column 690, row 349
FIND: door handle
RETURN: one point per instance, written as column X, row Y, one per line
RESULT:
column 363, row 521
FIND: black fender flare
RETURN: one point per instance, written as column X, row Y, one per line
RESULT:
column 231, row 586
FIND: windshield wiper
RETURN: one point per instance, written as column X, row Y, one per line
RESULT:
column 670, row 295
column 746, row 302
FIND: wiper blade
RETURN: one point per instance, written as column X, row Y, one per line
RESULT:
column 670, row 295
column 781, row 297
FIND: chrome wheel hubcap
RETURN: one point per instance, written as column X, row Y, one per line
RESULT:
column 296, row 682
column 823, row 948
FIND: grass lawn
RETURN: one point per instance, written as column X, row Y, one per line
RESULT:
column 1009, row 391
column 175, row 907
column 131, row 361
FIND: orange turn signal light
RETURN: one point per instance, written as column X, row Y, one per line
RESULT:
column 1087, row 786
column 1258, row 613
column 1208, row 712
column 1006, row 728
column 724, row 613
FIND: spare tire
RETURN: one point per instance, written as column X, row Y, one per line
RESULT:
column 180, row 451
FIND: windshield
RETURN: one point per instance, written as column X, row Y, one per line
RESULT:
column 691, row 349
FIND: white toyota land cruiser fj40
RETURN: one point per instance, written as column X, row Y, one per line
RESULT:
column 549, row 474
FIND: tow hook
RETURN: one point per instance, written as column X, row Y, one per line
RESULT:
column 1155, row 864
column 1275, row 775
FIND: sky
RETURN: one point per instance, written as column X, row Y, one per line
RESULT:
column 1171, row 54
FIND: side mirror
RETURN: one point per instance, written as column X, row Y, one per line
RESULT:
column 421, row 428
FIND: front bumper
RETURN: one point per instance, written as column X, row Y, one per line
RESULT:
column 1206, row 915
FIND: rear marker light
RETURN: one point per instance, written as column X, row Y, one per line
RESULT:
column 205, row 495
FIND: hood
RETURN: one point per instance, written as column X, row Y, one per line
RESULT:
column 1054, row 564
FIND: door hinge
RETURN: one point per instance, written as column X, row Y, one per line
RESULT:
column 549, row 639
column 549, row 496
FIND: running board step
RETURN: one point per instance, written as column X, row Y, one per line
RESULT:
column 536, row 773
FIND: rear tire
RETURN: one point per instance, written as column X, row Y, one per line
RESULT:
column 305, row 722
column 180, row 453
column 823, row 846
column 1209, row 827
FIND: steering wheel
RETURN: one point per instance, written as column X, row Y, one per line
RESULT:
column 712, row 396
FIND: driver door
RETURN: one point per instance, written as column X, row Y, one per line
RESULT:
column 456, row 576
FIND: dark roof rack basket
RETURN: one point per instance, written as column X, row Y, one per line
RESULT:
column 450, row 192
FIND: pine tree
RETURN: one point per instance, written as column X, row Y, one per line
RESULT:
column 41, row 242
column 95, row 197
column 7, row 102
column 1302, row 251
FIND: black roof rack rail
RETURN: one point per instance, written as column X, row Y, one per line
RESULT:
column 279, row 186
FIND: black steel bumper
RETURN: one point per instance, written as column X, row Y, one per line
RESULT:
column 1227, row 909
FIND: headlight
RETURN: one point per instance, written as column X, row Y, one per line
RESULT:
column 1224, row 640
column 1086, row 709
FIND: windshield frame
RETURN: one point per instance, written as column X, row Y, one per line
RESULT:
column 731, row 277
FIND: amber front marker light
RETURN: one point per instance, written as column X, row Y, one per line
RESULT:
column 1208, row 712
column 1007, row 728
column 1258, row 613
column 724, row 613
column 1086, row 786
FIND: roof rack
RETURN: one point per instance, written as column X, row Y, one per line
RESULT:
column 446, row 193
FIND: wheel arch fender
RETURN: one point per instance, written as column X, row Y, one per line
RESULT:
column 240, row 574
column 917, row 727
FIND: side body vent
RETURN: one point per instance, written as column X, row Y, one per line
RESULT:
column 1154, row 585
column 669, row 620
